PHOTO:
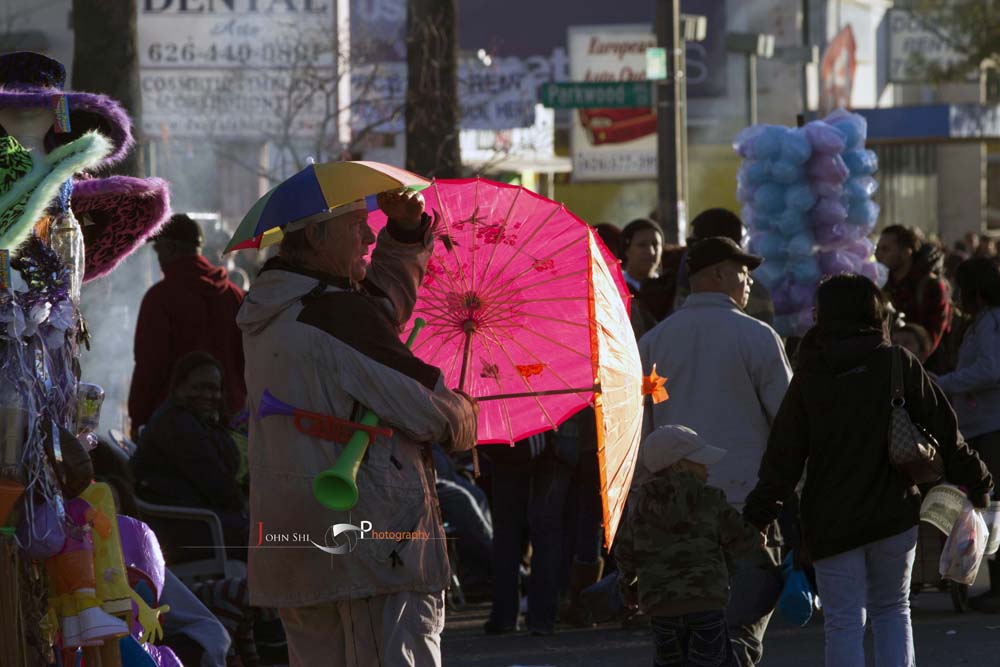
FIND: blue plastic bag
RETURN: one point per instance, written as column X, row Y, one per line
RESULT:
column 861, row 162
column 769, row 198
column 796, row 601
column 795, row 147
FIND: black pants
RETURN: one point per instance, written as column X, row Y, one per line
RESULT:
column 699, row 639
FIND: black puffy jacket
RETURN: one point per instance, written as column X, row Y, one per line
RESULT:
column 834, row 423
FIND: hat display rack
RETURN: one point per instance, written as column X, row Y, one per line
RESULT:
column 61, row 224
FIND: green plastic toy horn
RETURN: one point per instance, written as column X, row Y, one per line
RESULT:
column 336, row 487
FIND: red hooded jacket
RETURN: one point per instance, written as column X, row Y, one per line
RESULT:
column 193, row 308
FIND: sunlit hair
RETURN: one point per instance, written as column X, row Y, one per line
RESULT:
column 850, row 299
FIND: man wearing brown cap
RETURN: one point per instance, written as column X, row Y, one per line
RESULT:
column 722, row 222
column 192, row 309
column 727, row 374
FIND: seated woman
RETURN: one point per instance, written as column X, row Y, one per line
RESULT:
column 186, row 457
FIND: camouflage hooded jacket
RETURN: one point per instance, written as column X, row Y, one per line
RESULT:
column 677, row 540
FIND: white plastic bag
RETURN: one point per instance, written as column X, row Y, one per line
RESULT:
column 964, row 549
column 992, row 517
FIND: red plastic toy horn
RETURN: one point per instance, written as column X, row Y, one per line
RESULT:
column 316, row 424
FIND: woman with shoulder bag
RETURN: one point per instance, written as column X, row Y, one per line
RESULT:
column 974, row 386
column 859, row 512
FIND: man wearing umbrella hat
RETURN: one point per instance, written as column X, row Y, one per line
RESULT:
column 727, row 374
column 321, row 330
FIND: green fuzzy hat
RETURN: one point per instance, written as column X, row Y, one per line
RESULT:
column 27, row 189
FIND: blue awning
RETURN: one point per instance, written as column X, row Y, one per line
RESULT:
column 934, row 122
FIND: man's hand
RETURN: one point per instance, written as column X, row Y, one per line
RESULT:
column 404, row 206
column 472, row 401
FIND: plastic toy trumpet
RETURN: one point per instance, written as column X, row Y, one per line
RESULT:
column 336, row 487
column 316, row 424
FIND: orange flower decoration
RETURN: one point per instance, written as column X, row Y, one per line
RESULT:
column 530, row 370
column 653, row 385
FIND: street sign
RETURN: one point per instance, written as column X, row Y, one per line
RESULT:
column 597, row 94
column 656, row 63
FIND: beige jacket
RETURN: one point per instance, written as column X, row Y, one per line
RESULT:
column 326, row 345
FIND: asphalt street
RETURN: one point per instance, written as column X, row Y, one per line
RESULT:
column 943, row 638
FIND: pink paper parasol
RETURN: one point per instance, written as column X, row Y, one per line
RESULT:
column 527, row 311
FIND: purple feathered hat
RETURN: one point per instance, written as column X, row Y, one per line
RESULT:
column 29, row 79
column 117, row 215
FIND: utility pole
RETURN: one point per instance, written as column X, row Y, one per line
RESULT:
column 669, row 122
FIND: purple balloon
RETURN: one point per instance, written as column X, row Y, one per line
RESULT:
column 45, row 536
column 141, row 551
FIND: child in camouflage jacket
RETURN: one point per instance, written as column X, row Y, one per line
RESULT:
column 676, row 541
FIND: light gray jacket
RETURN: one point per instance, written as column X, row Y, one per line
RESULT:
column 327, row 349
column 727, row 374
column 974, row 387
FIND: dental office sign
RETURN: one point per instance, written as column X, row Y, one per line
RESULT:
column 235, row 68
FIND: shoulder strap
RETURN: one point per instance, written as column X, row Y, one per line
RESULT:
column 897, row 377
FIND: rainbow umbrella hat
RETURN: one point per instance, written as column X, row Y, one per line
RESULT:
column 318, row 188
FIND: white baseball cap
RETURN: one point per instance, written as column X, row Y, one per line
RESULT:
column 669, row 444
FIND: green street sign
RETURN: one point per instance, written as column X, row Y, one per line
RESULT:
column 597, row 94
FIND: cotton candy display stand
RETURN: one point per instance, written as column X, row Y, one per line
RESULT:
column 807, row 201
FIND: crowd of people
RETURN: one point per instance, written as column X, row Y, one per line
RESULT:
column 718, row 497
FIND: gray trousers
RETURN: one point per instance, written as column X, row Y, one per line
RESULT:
column 383, row 631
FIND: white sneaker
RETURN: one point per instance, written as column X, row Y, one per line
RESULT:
column 95, row 623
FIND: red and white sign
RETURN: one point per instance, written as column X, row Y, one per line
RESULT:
column 836, row 72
